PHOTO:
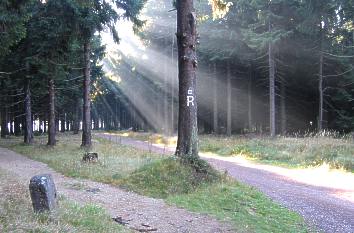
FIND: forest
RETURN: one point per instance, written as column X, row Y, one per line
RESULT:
column 266, row 67
column 177, row 116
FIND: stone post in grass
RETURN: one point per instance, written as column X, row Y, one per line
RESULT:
column 43, row 193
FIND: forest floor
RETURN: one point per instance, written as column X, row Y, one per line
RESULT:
column 323, row 196
column 215, row 203
column 138, row 212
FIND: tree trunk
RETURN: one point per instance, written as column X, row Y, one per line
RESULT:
column 28, row 137
column 283, row 109
column 62, row 123
column 165, row 97
column 4, row 128
column 320, row 92
column 249, row 95
column 271, row 90
column 215, row 102
column 76, row 117
column 86, row 124
column 229, row 94
column 172, row 86
column 51, row 122
column 187, row 143
column 4, row 116
column 17, row 122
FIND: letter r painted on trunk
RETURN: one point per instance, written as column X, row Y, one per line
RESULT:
column 190, row 98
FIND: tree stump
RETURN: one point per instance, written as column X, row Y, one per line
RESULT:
column 43, row 193
column 90, row 157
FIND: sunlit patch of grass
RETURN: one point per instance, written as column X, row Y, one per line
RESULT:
column 16, row 213
column 115, row 161
column 290, row 151
column 153, row 138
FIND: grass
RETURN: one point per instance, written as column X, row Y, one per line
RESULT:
column 16, row 213
column 168, row 177
column 314, row 150
column 246, row 208
column 215, row 194
column 148, row 174
column 294, row 152
column 115, row 161
column 154, row 138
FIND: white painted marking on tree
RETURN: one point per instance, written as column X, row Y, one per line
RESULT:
column 190, row 97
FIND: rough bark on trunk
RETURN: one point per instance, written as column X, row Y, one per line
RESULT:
column 320, row 92
column 51, row 114
column 86, row 124
column 28, row 137
column 283, row 122
column 76, row 121
column 165, row 97
column 17, row 122
column 187, row 143
column 4, row 129
column 172, row 87
column 229, row 94
column 215, row 102
column 4, row 117
column 249, row 97
column 271, row 90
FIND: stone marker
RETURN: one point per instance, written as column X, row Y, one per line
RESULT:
column 43, row 193
column 90, row 157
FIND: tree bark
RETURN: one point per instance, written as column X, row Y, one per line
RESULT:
column 283, row 109
column 51, row 122
column 215, row 102
column 165, row 96
column 320, row 92
column 172, row 87
column 4, row 116
column 76, row 117
column 28, row 137
column 271, row 90
column 249, row 97
column 187, row 143
column 229, row 107
column 17, row 122
column 86, row 124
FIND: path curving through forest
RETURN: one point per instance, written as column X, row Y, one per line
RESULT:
column 324, row 198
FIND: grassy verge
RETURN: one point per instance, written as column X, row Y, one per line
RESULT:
column 115, row 161
column 284, row 151
column 296, row 152
column 16, row 214
column 214, row 194
column 148, row 174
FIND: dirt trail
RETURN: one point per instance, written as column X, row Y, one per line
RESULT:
column 134, row 209
column 324, row 198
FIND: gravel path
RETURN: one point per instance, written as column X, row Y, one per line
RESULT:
column 134, row 209
column 324, row 198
